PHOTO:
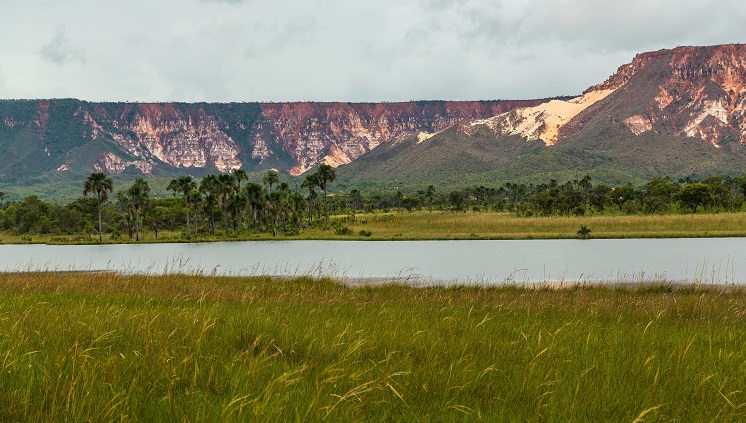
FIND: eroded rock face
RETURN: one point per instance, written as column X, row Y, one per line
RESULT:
column 699, row 93
column 338, row 133
column 291, row 137
column 704, row 95
column 114, row 165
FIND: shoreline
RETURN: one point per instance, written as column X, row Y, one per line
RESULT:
column 352, row 238
column 419, row 282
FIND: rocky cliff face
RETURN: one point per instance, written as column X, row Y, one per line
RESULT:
column 678, row 113
column 697, row 92
column 290, row 137
column 339, row 133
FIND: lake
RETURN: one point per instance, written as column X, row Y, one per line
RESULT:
column 706, row 260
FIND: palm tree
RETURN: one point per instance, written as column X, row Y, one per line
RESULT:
column 138, row 195
column 210, row 187
column 255, row 196
column 183, row 185
column 101, row 184
column 239, row 175
column 326, row 175
column 197, row 200
column 278, row 203
column 236, row 204
column 226, row 186
column 271, row 178
column 311, row 182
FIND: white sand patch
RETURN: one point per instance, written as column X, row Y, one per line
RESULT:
column 424, row 136
column 336, row 157
column 543, row 121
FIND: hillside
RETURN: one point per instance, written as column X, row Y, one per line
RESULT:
column 679, row 112
column 63, row 140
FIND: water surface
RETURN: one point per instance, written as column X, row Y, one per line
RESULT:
column 707, row 260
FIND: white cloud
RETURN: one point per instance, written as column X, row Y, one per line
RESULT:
column 328, row 50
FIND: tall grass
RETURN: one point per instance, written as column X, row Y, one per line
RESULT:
column 96, row 347
column 487, row 225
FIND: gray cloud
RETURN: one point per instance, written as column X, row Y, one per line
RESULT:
column 329, row 50
column 60, row 51
column 274, row 38
column 223, row 1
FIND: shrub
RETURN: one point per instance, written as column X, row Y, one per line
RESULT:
column 341, row 229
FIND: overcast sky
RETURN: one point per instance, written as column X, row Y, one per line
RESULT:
column 339, row 50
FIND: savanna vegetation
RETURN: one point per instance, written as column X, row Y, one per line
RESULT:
column 103, row 347
column 228, row 206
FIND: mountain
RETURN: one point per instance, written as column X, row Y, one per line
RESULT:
column 64, row 140
column 679, row 113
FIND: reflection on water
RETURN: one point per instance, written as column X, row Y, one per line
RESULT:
column 706, row 260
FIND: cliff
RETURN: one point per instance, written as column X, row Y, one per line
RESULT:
column 688, row 91
column 72, row 137
column 678, row 113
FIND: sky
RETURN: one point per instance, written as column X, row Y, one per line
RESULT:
column 339, row 50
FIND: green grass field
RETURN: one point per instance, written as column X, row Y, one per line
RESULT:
column 102, row 347
column 449, row 225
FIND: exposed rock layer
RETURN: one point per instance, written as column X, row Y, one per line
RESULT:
column 678, row 113
column 290, row 137
column 699, row 92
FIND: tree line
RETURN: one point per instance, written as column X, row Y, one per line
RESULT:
column 227, row 205
column 222, row 204
column 579, row 197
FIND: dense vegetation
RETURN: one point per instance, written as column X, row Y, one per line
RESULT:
column 103, row 347
column 227, row 206
column 218, row 205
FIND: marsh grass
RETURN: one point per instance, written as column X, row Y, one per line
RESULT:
column 487, row 225
column 99, row 347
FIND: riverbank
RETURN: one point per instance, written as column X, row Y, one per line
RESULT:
column 439, row 225
column 170, row 348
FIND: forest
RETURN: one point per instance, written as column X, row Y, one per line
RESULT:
column 228, row 206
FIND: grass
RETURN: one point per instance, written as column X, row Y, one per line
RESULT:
column 484, row 225
column 93, row 347
column 424, row 225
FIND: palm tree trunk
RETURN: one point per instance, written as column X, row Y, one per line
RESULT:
column 137, row 224
column 100, row 236
column 186, row 202
column 326, row 206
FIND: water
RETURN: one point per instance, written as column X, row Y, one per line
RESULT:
column 705, row 260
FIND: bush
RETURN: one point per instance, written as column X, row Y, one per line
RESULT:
column 341, row 229
column 363, row 232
